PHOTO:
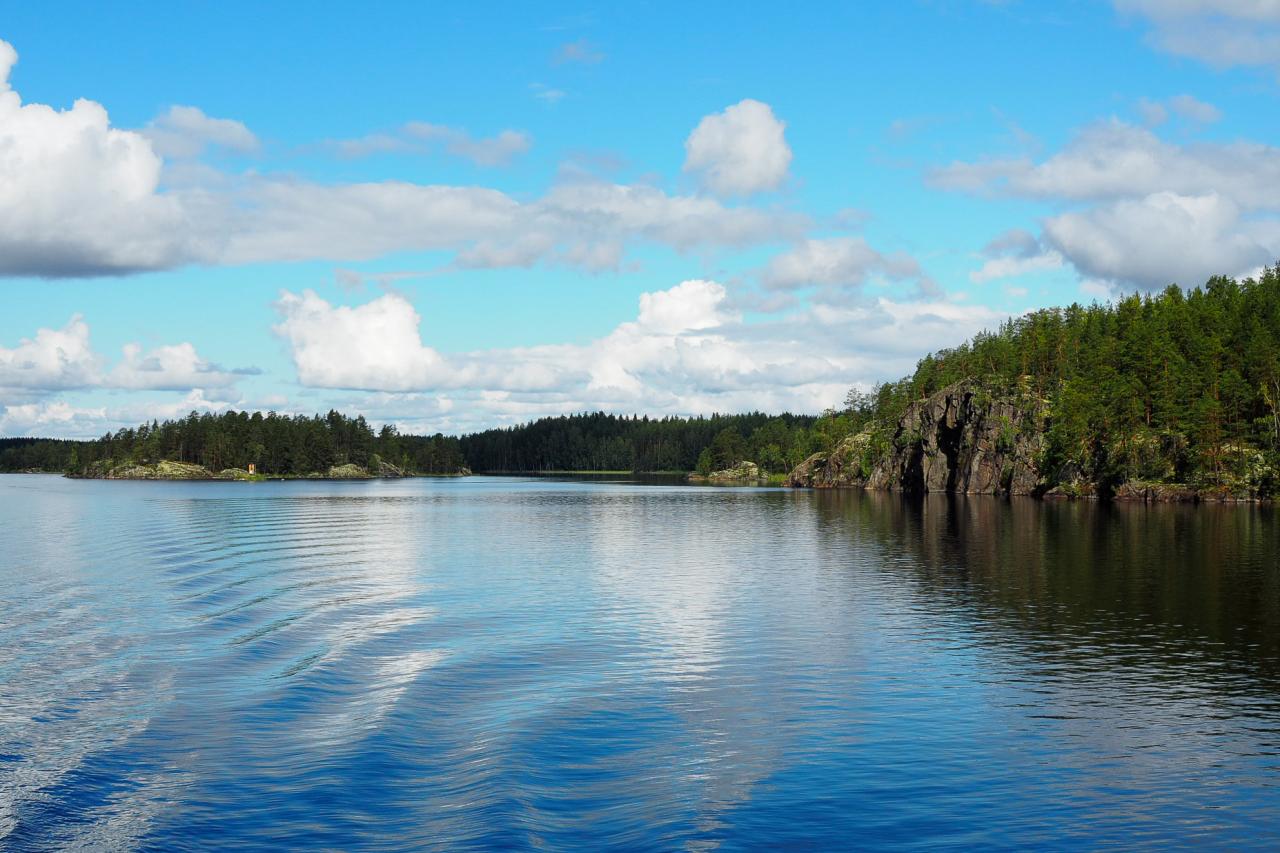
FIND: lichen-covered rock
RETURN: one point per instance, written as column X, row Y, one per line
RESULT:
column 348, row 472
column 743, row 472
column 839, row 468
column 163, row 470
column 960, row 439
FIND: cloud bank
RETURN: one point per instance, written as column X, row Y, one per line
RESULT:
column 79, row 197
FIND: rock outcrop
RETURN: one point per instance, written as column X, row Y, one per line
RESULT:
column 837, row 469
column 167, row 470
column 961, row 439
column 744, row 473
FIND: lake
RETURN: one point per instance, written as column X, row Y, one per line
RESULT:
column 507, row 663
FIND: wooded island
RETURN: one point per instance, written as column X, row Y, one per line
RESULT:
column 1173, row 396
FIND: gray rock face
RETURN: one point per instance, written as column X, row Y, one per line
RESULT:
column 960, row 439
column 743, row 472
column 838, row 469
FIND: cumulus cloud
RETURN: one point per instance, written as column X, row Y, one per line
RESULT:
column 689, row 306
column 53, row 419
column 835, row 263
column 1221, row 33
column 78, row 197
column 375, row 345
column 185, row 132
column 419, row 137
column 64, row 359
column 66, row 419
column 687, row 351
column 54, row 359
column 1163, row 238
column 739, row 151
column 1144, row 212
column 171, row 368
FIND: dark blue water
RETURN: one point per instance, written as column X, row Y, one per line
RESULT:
column 516, row 664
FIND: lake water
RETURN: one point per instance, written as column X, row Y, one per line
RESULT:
column 504, row 663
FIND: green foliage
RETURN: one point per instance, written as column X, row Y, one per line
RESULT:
column 278, row 445
column 1181, row 386
column 604, row 442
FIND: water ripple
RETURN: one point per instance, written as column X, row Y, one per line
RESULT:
column 505, row 663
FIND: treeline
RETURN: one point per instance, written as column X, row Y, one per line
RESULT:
column 276, row 444
column 297, row 445
column 605, row 442
column 35, row 454
column 1177, row 387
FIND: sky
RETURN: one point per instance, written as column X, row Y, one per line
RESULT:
column 449, row 217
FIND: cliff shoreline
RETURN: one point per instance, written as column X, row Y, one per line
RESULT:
column 965, row 439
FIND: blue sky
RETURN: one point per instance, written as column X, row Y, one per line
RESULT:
column 455, row 216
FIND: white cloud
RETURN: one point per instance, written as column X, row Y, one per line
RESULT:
column 419, row 137
column 79, row 197
column 62, row 359
column 1221, row 33
column 1163, row 238
column 740, row 151
column 170, row 368
column 686, row 352
column 688, row 306
column 1011, row 266
column 587, row 225
column 53, row 419
column 835, row 262
column 1114, row 160
column 185, row 132
column 375, row 345
column 1142, row 211
column 66, row 419
column 53, row 359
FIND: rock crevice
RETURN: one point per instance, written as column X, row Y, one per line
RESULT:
column 961, row 439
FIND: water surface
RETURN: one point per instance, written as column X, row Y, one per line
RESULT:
column 503, row 663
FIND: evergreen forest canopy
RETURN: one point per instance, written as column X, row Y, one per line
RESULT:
column 281, row 445
column 1181, row 386
column 1177, row 387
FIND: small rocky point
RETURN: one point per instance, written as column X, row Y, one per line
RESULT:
column 740, row 474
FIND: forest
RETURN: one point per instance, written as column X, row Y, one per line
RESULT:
column 278, row 445
column 1182, row 386
column 604, row 442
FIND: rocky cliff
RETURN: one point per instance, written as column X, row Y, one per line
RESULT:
column 961, row 439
